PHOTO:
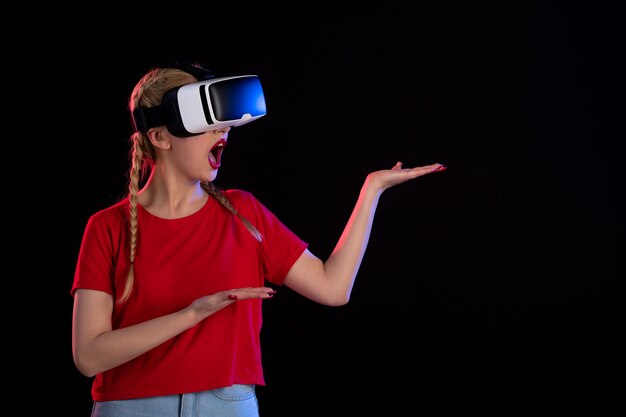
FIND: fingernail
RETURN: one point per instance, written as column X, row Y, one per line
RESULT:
column 272, row 292
column 232, row 297
column 440, row 168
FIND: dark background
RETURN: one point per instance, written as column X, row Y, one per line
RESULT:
column 496, row 284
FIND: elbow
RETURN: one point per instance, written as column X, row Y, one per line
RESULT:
column 85, row 367
column 86, row 370
column 338, row 301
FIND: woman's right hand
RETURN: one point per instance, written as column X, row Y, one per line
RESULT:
column 209, row 304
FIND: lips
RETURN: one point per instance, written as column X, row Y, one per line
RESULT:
column 215, row 154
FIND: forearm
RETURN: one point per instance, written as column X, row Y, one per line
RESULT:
column 343, row 264
column 331, row 282
column 113, row 348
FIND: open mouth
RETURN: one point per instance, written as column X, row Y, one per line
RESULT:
column 215, row 155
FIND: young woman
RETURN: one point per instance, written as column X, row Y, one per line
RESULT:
column 170, row 281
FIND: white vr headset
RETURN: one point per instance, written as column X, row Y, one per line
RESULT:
column 203, row 106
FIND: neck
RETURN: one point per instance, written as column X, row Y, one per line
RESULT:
column 171, row 200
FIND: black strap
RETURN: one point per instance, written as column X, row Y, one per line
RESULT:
column 145, row 118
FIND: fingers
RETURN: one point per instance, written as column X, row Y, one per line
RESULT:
column 425, row 169
column 438, row 167
column 247, row 293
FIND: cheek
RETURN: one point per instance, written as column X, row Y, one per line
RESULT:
column 193, row 149
column 188, row 157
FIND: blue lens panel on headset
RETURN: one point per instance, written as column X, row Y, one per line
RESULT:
column 235, row 99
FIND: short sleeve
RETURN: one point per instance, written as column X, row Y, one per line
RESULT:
column 96, row 257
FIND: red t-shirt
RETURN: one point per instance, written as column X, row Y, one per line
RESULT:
column 178, row 261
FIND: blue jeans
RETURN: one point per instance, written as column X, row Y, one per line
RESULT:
column 234, row 401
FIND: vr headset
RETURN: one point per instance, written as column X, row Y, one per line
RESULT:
column 205, row 105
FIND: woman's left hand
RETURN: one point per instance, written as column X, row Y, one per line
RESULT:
column 386, row 178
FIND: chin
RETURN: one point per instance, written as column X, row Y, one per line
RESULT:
column 210, row 177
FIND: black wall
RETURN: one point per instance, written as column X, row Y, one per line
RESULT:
column 497, row 283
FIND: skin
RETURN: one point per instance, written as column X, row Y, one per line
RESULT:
column 173, row 191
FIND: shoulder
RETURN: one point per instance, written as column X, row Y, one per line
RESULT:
column 246, row 203
column 240, row 196
column 113, row 214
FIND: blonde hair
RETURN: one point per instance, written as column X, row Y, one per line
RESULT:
column 148, row 93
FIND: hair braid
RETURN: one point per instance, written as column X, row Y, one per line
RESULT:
column 133, row 188
column 212, row 190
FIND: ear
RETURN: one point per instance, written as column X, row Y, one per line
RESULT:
column 159, row 138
